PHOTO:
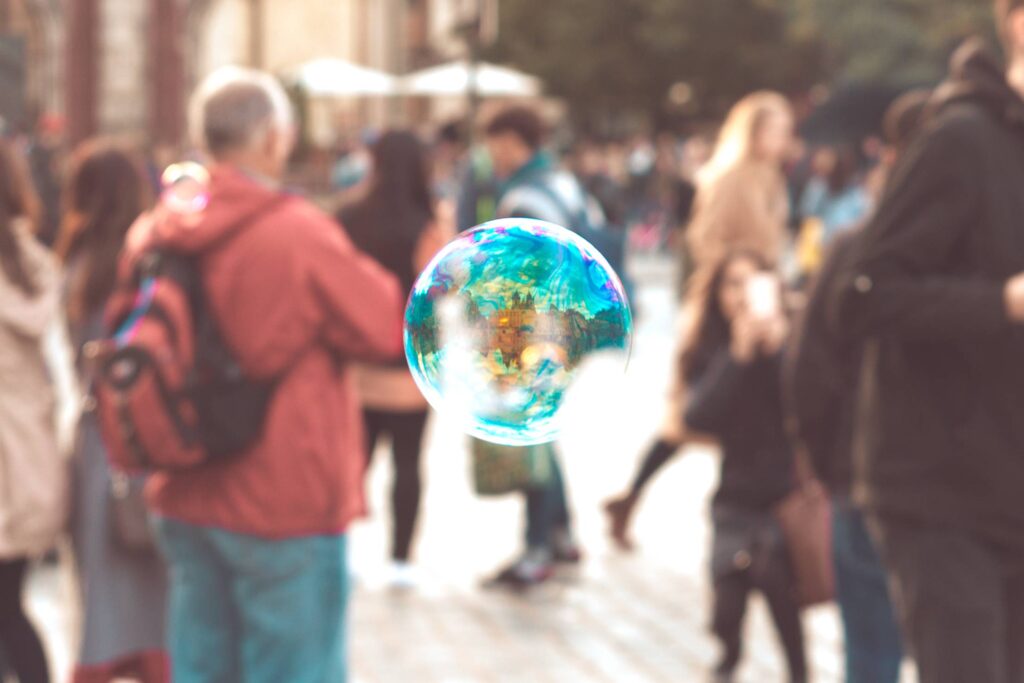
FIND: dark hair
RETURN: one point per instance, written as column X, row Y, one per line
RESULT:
column 522, row 122
column 845, row 169
column 904, row 117
column 105, row 191
column 398, row 205
column 710, row 329
column 17, row 200
column 453, row 133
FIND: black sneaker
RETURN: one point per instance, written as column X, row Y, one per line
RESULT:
column 522, row 574
column 564, row 549
column 570, row 554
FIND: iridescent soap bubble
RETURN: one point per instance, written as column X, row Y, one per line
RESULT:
column 186, row 187
column 501, row 320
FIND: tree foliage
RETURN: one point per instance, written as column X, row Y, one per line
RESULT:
column 614, row 56
column 894, row 41
column 619, row 57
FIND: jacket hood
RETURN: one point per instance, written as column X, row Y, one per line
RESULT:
column 978, row 77
column 30, row 315
column 235, row 197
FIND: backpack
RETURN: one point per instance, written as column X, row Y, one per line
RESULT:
column 169, row 393
column 589, row 222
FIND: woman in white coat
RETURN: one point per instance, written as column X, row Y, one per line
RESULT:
column 33, row 482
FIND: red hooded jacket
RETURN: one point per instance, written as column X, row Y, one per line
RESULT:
column 295, row 301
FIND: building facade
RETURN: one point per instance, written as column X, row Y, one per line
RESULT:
column 126, row 66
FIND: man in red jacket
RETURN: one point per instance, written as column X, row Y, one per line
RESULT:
column 256, row 545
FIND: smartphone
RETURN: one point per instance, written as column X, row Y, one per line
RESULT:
column 763, row 300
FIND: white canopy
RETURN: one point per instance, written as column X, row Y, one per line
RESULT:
column 453, row 79
column 332, row 77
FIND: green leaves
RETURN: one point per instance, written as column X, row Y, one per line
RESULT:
column 612, row 58
column 895, row 41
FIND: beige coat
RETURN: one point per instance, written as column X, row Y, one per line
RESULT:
column 33, row 475
column 745, row 208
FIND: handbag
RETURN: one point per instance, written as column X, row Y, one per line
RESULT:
column 805, row 516
column 128, row 514
column 498, row 469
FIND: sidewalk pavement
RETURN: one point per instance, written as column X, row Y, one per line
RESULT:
column 619, row 618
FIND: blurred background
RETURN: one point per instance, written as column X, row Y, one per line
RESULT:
column 634, row 91
column 76, row 68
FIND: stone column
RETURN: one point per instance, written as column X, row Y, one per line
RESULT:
column 166, row 72
column 82, row 68
column 123, row 86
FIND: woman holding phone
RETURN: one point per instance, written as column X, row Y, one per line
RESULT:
column 731, row 366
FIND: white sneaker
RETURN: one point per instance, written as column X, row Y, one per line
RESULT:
column 402, row 576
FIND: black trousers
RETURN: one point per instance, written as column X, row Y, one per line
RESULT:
column 748, row 554
column 406, row 432
column 24, row 652
column 961, row 601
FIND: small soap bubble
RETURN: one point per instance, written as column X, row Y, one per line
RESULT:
column 186, row 187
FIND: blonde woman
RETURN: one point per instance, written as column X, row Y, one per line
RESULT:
column 741, row 204
column 741, row 194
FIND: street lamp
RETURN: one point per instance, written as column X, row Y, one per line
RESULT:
column 478, row 26
column 256, row 34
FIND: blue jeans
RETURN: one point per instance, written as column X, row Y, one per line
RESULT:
column 873, row 645
column 249, row 610
column 547, row 509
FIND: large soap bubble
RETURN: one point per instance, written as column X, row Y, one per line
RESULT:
column 500, row 321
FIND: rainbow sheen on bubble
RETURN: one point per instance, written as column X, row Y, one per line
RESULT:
column 499, row 323
column 186, row 187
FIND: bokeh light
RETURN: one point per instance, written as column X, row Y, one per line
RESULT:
column 186, row 187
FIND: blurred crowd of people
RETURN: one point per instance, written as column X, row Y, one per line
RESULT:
column 850, row 337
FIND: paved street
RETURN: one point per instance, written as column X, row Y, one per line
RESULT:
column 639, row 617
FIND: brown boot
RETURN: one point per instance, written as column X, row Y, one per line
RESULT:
column 620, row 512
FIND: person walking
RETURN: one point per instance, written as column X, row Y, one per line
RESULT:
column 33, row 486
column 531, row 186
column 732, row 370
column 936, row 288
column 395, row 223
column 256, row 545
column 821, row 378
column 123, row 584
column 672, row 437
column 742, row 201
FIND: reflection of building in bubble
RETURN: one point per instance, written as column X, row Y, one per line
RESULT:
column 521, row 324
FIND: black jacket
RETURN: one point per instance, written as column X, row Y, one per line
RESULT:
column 741, row 405
column 942, row 431
column 821, row 373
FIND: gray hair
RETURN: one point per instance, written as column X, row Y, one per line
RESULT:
column 234, row 108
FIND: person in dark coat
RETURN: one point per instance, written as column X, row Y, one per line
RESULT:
column 937, row 289
column 821, row 379
column 731, row 364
